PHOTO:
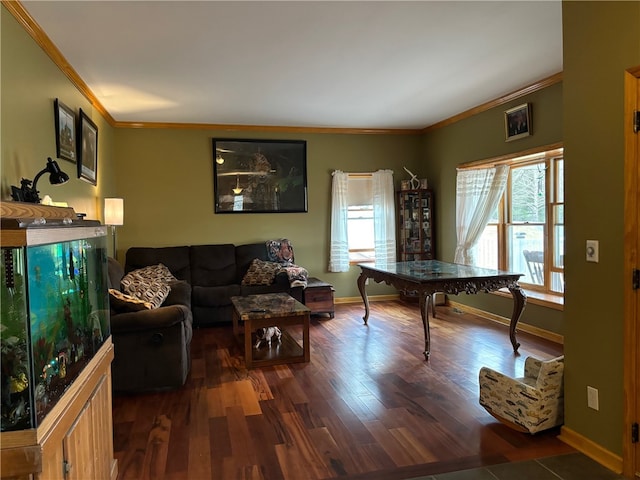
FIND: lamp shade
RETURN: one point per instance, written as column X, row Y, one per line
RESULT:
column 114, row 211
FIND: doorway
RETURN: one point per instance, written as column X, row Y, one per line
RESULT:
column 631, row 451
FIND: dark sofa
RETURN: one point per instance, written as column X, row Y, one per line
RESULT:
column 215, row 273
column 152, row 347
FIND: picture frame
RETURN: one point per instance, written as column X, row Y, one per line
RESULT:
column 87, row 149
column 517, row 122
column 259, row 176
column 65, row 123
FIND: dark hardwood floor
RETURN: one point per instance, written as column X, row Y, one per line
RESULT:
column 368, row 405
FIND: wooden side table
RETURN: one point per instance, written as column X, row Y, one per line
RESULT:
column 318, row 297
column 266, row 310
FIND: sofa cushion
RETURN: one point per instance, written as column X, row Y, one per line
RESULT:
column 175, row 258
column 121, row 302
column 261, row 273
column 214, row 296
column 245, row 254
column 213, row 265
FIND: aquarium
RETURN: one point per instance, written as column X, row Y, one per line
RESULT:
column 55, row 317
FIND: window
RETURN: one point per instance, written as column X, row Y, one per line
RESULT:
column 362, row 219
column 525, row 233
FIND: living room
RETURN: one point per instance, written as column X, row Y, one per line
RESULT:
column 165, row 175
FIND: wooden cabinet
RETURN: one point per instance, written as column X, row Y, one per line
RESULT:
column 75, row 441
column 415, row 225
column 318, row 297
column 57, row 349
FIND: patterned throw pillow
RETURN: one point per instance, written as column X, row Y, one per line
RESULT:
column 261, row 273
column 148, row 284
column 121, row 302
column 280, row 251
column 159, row 272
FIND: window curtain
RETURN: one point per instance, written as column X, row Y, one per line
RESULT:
column 478, row 192
column 339, row 250
column 384, row 216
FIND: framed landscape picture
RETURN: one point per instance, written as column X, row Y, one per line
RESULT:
column 260, row 176
column 87, row 149
column 65, row 121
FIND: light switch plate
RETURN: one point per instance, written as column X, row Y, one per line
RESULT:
column 592, row 251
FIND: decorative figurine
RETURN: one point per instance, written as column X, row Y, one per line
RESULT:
column 266, row 334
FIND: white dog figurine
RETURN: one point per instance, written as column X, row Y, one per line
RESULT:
column 266, row 334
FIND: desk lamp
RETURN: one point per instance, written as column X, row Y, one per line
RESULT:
column 29, row 193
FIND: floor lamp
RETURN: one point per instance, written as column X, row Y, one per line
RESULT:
column 114, row 216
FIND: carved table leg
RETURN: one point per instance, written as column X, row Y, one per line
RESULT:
column 361, row 286
column 519, row 302
column 424, row 311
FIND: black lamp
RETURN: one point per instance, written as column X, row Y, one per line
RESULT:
column 28, row 193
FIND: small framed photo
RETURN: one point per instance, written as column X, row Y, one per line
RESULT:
column 87, row 149
column 517, row 122
column 65, row 131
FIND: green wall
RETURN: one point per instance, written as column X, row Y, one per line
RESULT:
column 165, row 176
column 601, row 40
column 483, row 138
column 30, row 82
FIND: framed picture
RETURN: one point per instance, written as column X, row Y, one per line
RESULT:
column 517, row 122
column 260, row 176
column 65, row 131
column 87, row 149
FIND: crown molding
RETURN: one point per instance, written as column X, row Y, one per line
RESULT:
column 534, row 87
column 41, row 38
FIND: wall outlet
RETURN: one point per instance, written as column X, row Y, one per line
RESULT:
column 593, row 251
column 592, row 398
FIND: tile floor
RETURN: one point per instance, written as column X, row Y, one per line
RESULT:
column 572, row 466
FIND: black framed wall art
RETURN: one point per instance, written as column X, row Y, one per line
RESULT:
column 65, row 122
column 260, row 176
column 87, row 149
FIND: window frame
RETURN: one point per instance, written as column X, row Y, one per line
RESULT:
column 551, row 156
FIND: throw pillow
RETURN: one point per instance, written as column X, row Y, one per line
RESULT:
column 121, row 302
column 280, row 251
column 261, row 273
column 149, row 284
column 159, row 272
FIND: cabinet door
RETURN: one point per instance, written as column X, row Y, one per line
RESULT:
column 102, row 429
column 52, row 463
column 79, row 447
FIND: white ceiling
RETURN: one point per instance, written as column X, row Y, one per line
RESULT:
column 362, row 64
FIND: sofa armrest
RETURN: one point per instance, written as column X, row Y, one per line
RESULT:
column 163, row 317
column 180, row 294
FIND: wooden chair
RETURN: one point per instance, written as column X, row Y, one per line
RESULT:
column 535, row 264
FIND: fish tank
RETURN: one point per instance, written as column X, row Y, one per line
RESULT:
column 55, row 317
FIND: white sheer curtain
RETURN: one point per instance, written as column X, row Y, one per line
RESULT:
column 477, row 194
column 339, row 250
column 384, row 216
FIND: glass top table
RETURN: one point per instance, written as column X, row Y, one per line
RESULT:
column 426, row 277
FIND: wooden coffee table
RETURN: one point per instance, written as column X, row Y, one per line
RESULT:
column 266, row 310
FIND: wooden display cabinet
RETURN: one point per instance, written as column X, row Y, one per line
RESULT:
column 415, row 225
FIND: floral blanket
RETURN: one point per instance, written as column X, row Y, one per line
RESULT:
column 281, row 251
